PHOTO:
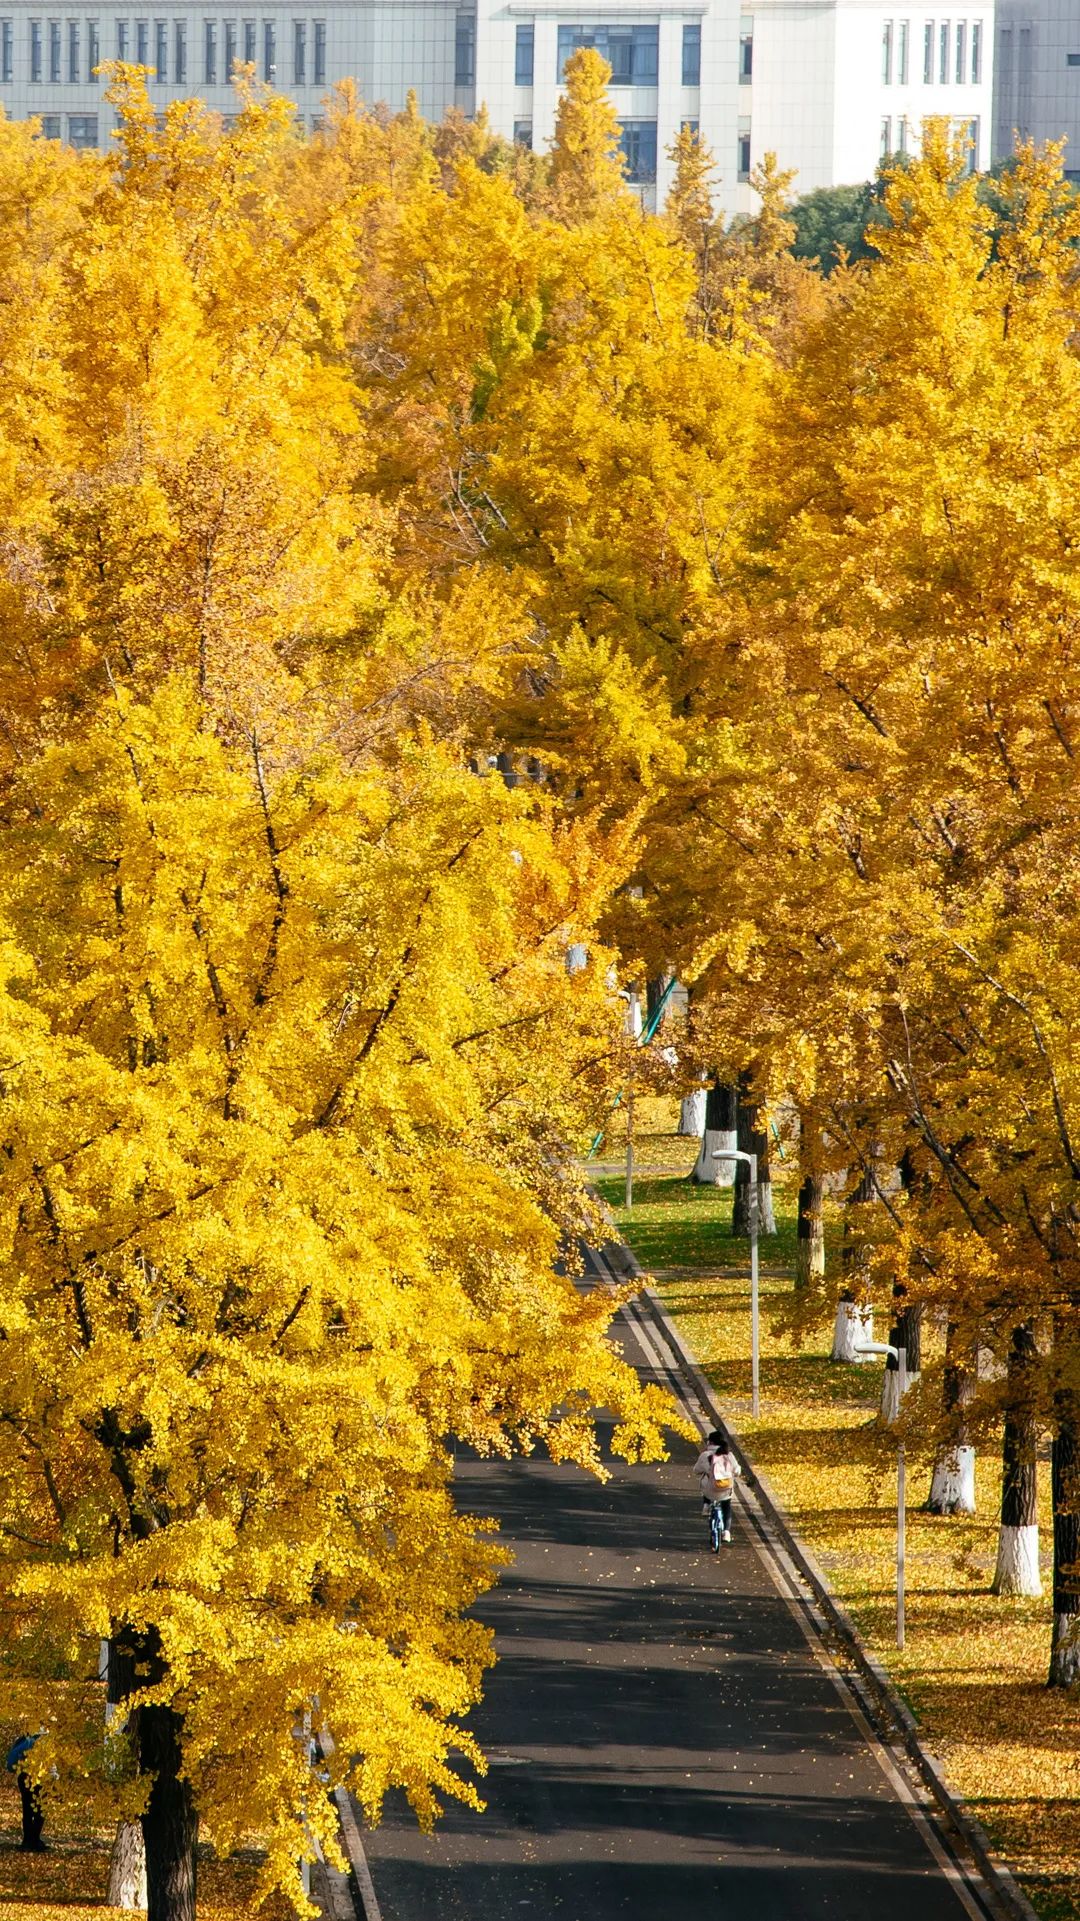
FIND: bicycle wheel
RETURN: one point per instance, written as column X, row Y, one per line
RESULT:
column 715, row 1529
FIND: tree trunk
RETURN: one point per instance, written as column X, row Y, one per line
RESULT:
column 1017, row 1570
column 719, row 1132
column 905, row 1332
column 127, row 1864
column 854, row 1315
column 952, row 1485
column 170, row 1824
column 654, row 994
column 1065, row 1643
column 752, row 1139
column 854, row 1326
column 127, row 1868
column 692, row 1113
column 810, row 1233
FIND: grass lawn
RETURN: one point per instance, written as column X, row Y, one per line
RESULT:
column 974, row 1667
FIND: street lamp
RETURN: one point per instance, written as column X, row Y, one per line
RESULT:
column 737, row 1154
column 899, row 1355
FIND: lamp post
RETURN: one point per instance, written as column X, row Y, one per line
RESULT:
column 737, row 1154
column 899, row 1355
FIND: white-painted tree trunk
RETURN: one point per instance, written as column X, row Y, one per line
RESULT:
column 127, row 1868
column 707, row 1168
column 854, row 1325
column 1017, row 1570
column 889, row 1411
column 577, row 957
column 952, row 1486
column 692, row 1113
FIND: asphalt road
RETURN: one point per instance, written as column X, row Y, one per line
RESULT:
column 664, row 1744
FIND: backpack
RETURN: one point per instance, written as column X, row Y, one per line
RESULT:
column 723, row 1481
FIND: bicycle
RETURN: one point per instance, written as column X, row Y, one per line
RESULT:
column 717, row 1531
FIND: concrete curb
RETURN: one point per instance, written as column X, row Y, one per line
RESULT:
column 899, row 1720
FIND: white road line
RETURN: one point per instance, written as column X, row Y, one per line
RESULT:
column 785, row 1580
column 354, row 1848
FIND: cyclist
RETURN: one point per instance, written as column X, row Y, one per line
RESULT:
column 717, row 1469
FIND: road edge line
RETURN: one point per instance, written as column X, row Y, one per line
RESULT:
column 352, row 1842
column 889, row 1700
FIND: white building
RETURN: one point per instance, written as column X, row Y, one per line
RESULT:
column 1037, row 76
column 829, row 85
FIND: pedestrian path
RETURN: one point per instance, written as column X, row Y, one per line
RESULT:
column 664, row 1742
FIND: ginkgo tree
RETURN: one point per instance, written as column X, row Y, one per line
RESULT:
column 291, row 1055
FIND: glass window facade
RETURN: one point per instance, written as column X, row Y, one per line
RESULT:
column 209, row 63
column 121, row 39
column 82, row 129
column 249, row 43
column 637, row 138
column 36, row 58
column 943, row 52
column 902, row 42
column 524, row 49
column 632, row 53
column 320, row 53
column 299, row 53
column 928, row 53
column 7, row 49
column 691, row 56
column 269, row 52
column 523, row 133
column 886, row 53
column 464, row 50
column 73, row 74
column 93, row 48
column 976, row 52
column 179, row 52
column 161, row 50
column 142, row 43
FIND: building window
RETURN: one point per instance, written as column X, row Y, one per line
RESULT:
column 179, row 52
column 961, row 53
column 299, row 53
column 691, row 126
column 161, row 50
column 637, row 138
column 121, row 39
column 7, row 49
column 885, row 147
column 943, row 53
column 742, row 154
column 902, row 135
column 746, row 56
column 93, row 48
column 523, row 131
column 691, row 56
column 82, row 129
column 464, row 48
column 928, row 53
column 886, row 54
column 209, row 65
column 230, row 49
column 524, row 44
column 74, row 70
column 269, row 52
column 903, row 36
column 972, row 131
column 142, row 43
column 320, row 53
column 54, row 52
column 50, row 126
column 633, row 53
column 976, row 52
column 249, row 43
column 35, row 50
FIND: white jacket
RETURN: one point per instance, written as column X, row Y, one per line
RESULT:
column 703, row 1468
